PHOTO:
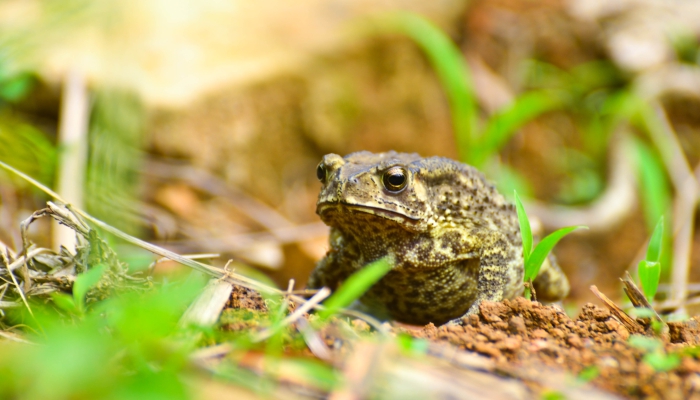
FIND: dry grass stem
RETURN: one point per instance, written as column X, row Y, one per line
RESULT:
column 609, row 209
column 630, row 323
column 5, row 250
column 687, row 195
column 313, row 341
column 72, row 134
column 22, row 260
column 198, row 256
column 639, row 300
column 14, row 337
column 301, row 310
column 20, row 290
column 682, row 79
column 207, row 307
column 207, row 356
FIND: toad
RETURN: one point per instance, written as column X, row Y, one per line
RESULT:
column 452, row 239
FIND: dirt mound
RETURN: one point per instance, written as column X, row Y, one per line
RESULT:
column 594, row 347
column 526, row 339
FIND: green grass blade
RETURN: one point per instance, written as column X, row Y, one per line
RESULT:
column 504, row 123
column 649, row 275
column 525, row 231
column 650, row 268
column 654, row 186
column 26, row 148
column 355, row 286
column 533, row 264
column 452, row 71
column 654, row 248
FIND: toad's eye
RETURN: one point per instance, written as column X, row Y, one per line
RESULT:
column 321, row 172
column 395, row 179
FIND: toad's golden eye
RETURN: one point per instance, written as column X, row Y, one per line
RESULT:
column 395, row 179
column 321, row 172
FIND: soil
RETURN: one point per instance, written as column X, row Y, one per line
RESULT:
column 526, row 335
column 530, row 334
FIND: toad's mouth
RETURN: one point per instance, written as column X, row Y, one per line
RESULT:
column 327, row 209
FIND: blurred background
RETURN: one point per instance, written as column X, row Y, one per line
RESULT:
column 198, row 125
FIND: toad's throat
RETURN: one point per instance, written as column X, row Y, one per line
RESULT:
column 324, row 209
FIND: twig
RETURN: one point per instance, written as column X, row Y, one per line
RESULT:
column 629, row 323
column 639, row 300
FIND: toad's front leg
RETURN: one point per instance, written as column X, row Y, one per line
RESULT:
column 337, row 264
column 493, row 272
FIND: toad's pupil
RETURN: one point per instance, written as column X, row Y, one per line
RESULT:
column 396, row 179
column 321, row 172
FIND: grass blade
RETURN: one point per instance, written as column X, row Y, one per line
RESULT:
column 654, row 187
column 503, row 124
column 355, row 286
column 533, row 264
column 453, row 73
column 26, row 148
column 525, row 231
column 649, row 275
column 655, row 242
column 650, row 269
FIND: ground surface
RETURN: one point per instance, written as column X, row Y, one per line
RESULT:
column 530, row 334
column 535, row 339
